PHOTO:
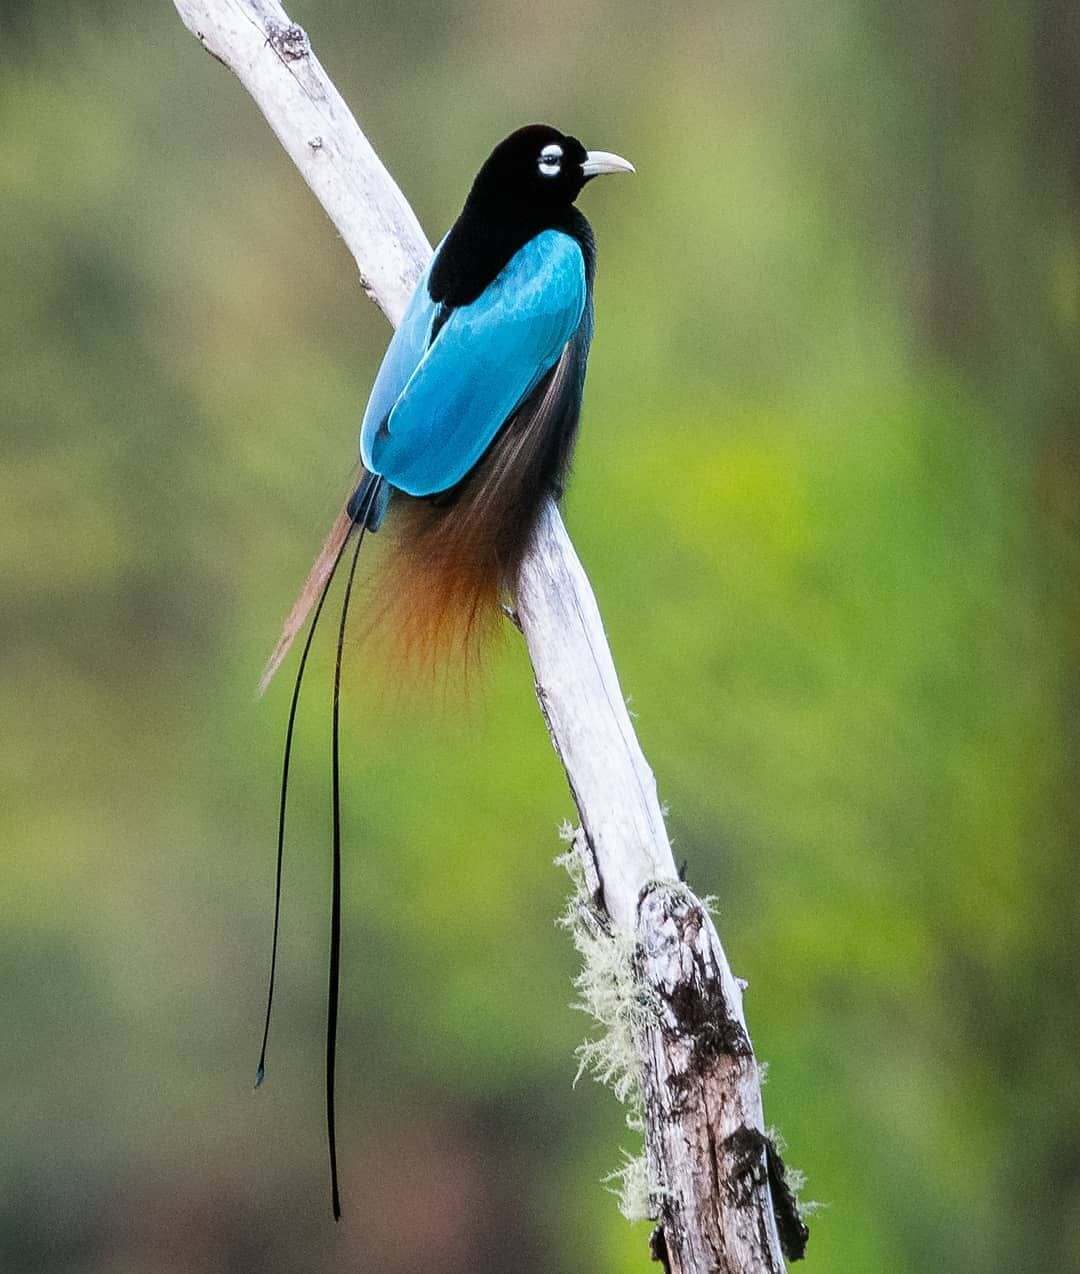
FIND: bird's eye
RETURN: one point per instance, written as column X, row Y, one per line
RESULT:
column 551, row 160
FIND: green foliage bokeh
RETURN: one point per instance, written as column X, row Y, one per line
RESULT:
column 826, row 493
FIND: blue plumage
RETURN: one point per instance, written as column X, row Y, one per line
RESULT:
column 436, row 408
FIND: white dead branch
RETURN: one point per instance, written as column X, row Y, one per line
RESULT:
column 715, row 1183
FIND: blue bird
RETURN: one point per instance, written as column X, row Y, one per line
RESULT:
column 469, row 429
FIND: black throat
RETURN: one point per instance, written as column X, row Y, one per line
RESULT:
column 486, row 236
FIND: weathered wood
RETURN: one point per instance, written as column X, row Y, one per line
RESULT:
column 707, row 1151
column 708, row 1157
column 273, row 59
column 583, row 704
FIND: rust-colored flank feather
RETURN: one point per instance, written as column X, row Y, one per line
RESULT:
column 457, row 554
column 309, row 595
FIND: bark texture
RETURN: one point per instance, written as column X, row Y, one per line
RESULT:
column 718, row 1185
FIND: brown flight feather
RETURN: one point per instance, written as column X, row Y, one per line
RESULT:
column 309, row 595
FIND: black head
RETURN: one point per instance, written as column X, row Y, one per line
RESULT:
column 541, row 170
column 528, row 184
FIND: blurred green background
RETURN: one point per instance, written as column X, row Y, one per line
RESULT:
column 827, row 495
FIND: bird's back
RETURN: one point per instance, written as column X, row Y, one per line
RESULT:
column 459, row 547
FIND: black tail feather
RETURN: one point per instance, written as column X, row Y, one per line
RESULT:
column 367, row 505
column 365, row 510
column 335, row 893
column 260, row 1073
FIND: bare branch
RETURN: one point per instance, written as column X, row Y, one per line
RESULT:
column 711, row 1167
column 708, row 1155
column 582, row 702
column 273, row 59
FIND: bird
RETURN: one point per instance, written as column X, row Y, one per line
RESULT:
column 468, row 430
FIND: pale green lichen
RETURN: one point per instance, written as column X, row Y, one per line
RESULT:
column 611, row 994
column 630, row 1185
column 795, row 1177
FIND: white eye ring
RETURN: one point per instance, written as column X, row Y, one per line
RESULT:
column 551, row 160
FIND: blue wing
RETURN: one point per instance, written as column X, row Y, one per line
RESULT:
column 435, row 409
column 403, row 354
